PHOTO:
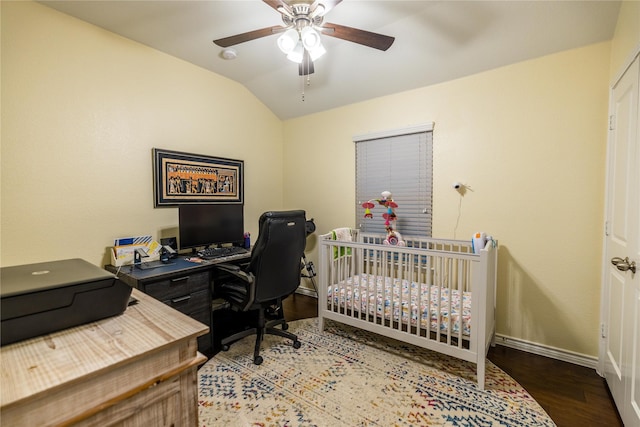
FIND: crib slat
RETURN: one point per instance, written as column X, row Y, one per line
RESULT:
column 450, row 283
column 437, row 307
column 414, row 280
column 459, row 304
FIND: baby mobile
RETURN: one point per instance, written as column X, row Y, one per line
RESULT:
column 393, row 237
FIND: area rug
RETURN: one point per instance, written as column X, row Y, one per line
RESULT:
column 350, row 377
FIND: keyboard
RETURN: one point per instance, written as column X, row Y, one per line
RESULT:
column 226, row 252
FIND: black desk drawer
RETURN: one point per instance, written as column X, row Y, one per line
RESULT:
column 178, row 286
column 190, row 303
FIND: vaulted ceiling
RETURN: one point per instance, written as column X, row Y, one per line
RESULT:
column 435, row 41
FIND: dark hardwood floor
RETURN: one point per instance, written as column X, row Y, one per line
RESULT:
column 572, row 395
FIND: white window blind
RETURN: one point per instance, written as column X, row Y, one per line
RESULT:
column 400, row 162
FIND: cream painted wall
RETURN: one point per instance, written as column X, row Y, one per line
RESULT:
column 81, row 110
column 529, row 139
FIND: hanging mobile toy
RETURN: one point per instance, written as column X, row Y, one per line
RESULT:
column 393, row 237
column 367, row 209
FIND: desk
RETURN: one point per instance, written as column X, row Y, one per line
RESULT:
column 183, row 285
column 137, row 369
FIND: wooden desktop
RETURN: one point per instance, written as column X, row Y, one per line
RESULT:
column 138, row 369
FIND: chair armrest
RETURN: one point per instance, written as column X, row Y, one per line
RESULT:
column 228, row 267
column 236, row 271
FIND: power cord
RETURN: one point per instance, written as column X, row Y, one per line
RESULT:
column 455, row 229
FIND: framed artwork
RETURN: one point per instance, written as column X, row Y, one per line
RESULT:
column 184, row 178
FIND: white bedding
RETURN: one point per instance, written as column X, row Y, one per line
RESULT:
column 410, row 300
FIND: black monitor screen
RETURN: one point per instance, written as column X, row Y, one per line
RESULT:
column 214, row 224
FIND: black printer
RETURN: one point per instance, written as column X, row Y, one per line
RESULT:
column 37, row 299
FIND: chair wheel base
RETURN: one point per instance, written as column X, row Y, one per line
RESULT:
column 297, row 344
column 225, row 347
column 257, row 360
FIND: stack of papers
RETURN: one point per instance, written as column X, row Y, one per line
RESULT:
column 123, row 249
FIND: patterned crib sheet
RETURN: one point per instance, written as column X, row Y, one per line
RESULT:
column 401, row 297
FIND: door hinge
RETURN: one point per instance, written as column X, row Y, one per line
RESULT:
column 606, row 228
column 612, row 122
column 602, row 329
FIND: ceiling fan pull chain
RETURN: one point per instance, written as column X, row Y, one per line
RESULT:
column 308, row 66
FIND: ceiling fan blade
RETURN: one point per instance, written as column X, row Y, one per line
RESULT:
column 366, row 38
column 306, row 66
column 248, row 36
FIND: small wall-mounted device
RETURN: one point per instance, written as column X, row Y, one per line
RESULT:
column 456, row 185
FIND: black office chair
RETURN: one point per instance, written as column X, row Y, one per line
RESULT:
column 272, row 274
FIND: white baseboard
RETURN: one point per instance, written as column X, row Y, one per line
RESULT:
column 519, row 344
column 547, row 351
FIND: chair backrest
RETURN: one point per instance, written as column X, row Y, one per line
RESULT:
column 277, row 254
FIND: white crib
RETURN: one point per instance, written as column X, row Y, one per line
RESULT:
column 431, row 293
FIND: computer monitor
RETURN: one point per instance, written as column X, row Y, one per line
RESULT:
column 210, row 224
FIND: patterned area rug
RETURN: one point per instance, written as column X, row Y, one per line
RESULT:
column 349, row 377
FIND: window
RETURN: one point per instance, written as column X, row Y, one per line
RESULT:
column 401, row 162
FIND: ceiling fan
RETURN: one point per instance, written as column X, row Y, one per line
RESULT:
column 303, row 24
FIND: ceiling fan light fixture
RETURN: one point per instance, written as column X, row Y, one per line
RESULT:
column 296, row 54
column 310, row 38
column 317, row 52
column 288, row 40
column 301, row 33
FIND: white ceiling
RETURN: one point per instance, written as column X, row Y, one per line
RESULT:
column 435, row 41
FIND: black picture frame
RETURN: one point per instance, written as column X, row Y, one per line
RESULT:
column 186, row 178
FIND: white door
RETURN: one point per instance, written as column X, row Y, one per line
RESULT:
column 621, row 290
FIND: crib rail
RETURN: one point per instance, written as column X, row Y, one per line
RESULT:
column 447, row 245
column 432, row 293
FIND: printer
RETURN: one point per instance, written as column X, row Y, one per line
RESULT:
column 37, row 299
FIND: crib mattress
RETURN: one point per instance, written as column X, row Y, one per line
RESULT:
column 404, row 301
